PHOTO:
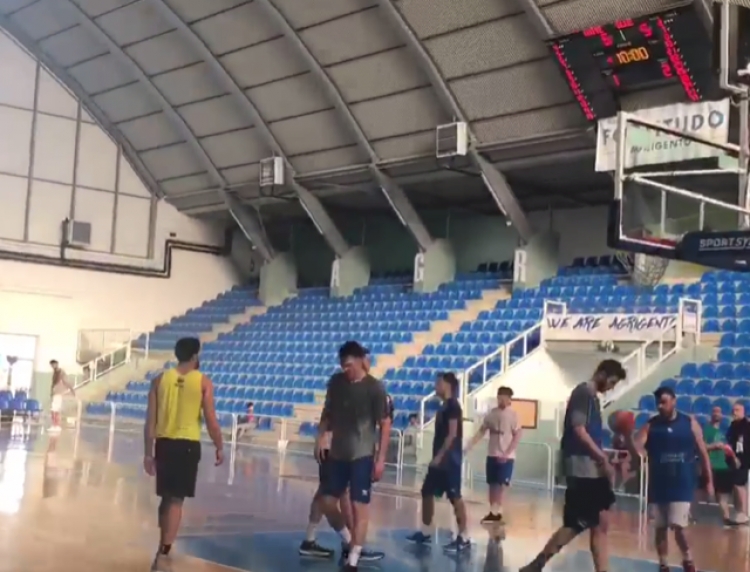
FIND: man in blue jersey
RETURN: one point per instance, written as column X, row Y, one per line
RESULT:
column 589, row 474
column 671, row 440
column 444, row 475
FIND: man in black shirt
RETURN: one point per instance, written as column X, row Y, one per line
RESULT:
column 738, row 438
column 444, row 475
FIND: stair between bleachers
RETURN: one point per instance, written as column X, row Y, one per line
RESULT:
column 234, row 320
column 438, row 328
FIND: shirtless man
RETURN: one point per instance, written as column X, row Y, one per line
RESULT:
column 60, row 386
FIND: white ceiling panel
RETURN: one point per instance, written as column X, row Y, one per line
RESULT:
column 73, row 46
column 236, row 148
column 188, row 184
column 8, row 6
column 236, row 28
column 149, row 132
column 315, row 132
column 127, row 102
column 173, row 161
column 187, row 85
column 133, row 23
column 214, row 116
column 191, row 10
column 45, row 18
column 305, row 14
column 102, row 73
column 96, row 8
column 297, row 95
column 264, row 63
column 163, row 53
column 242, row 174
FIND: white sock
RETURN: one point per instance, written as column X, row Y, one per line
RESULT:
column 427, row 529
column 463, row 535
column 346, row 537
column 354, row 553
column 310, row 532
column 496, row 509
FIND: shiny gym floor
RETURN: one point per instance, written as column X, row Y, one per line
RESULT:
column 70, row 504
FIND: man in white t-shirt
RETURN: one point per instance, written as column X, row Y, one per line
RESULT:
column 411, row 436
column 505, row 433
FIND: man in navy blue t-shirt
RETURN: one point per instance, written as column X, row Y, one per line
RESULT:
column 444, row 474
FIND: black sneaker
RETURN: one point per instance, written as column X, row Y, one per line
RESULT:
column 314, row 550
column 349, row 568
column 491, row 518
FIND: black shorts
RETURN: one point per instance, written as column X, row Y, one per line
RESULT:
column 724, row 481
column 177, row 463
column 584, row 500
column 323, row 468
column 740, row 477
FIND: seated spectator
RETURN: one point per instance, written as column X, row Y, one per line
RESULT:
column 246, row 423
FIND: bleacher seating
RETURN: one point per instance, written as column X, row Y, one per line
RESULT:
column 18, row 402
column 700, row 387
column 585, row 283
column 281, row 358
column 201, row 320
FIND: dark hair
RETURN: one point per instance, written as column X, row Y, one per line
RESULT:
column 450, row 378
column 661, row 391
column 54, row 362
column 413, row 416
column 352, row 349
column 505, row 390
column 186, row 349
column 611, row 368
column 249, row 405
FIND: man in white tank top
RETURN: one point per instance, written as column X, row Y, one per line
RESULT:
column 60, row 387
column 505, row 433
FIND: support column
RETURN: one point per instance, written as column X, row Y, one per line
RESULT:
column 249, row 224
column 350, row 272
column 503, row 195
column 435, row 266
column 537, row 260
column 278, row 279
column 404, row 210
column 322, row 220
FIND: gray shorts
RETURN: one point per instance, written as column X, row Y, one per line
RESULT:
column 670, row 515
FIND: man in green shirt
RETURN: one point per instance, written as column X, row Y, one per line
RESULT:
column 722, row 475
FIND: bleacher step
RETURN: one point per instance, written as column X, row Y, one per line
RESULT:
column 234, row 320
column 439, row 328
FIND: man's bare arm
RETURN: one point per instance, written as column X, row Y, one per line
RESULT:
column 149, row 428
column 702, row 451
column 209, row 413
column 478, row 436
column 325, row 415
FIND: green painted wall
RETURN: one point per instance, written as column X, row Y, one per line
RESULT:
column 475, row 239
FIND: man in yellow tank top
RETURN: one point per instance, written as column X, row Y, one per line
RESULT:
column 179, row 400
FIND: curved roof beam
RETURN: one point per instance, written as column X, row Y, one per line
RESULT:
column 254, row 230
column 393, row 193
column 310, row 203
column 493, row 179
column 331, row 90
column 88, row 103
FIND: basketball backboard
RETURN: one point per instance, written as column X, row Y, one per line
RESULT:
column 676, row 191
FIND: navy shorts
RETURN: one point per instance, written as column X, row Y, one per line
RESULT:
column 498, row 473
column 441, row 481
column 355, row 475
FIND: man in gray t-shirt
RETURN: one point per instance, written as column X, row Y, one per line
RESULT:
column 356, row 413
column 588, row 496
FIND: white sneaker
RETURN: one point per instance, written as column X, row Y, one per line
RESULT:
column 162, row 563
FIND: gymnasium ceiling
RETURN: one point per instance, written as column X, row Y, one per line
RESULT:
column 197, row 92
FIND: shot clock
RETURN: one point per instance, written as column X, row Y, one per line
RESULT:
column 602, row 63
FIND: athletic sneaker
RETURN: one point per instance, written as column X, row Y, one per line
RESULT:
column 313, row 549
column 364, row 556
column 458, row 545
column 492, row 519
column 162, row 563
column 420, row 538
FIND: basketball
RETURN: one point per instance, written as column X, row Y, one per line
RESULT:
column 621, row 421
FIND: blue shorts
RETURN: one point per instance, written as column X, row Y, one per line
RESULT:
column 355, row 475
column 498, row 473
column 441, row 481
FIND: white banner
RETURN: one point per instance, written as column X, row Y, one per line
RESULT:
column 606, row 327
column 707, row 119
